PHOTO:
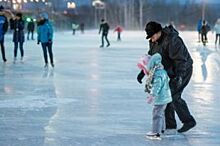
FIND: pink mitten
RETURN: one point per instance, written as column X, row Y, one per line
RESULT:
column 143, row 62
column 150, row 99
column 140, row 65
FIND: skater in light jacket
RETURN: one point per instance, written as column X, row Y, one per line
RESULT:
column 157, row 85
column 217, row 32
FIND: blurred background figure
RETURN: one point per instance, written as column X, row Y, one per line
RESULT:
column 74, row 28
column 82, row 27
column 118, row 29
column 204, row 30
column 217, row 31
column 104, row 28
column 199, row 27
column 45, row 37
column 30, row 29
column 3, row 30
column 17, row 24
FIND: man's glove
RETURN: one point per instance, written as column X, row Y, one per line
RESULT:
column 178, row 81
column 38, row 42
column 140, row 76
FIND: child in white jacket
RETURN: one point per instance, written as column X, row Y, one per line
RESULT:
column 217, row 31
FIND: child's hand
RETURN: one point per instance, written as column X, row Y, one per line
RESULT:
column 142, row 67
column 150, row 99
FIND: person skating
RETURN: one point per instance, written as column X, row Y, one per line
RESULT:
column 104, row 28
column 157, row 86
column 118, row 29
column 82, row 27
column 178, row 64
column 3, row 30
column 45, row 37
column 217, row 32
column 199, row 26
column 17, row 25
column 30, row 29
column 204, row 30
column 74, row 28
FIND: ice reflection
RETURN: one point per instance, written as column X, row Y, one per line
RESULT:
column 204, row 76
column 4, row 86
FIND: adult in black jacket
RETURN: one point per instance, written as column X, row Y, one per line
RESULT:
column 30, row 29
column 104, row 28
column 17, row 25
column 178, row 64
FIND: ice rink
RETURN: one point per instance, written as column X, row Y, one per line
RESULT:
column 92, row 98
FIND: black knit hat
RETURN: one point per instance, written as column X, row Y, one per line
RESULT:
column 19, row 15
column 1, row 8
column 152, row 28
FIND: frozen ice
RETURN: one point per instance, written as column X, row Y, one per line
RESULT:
column 92, row 98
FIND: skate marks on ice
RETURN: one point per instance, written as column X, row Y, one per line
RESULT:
column 48, row 73
column 184, row 136
column 34, row 102
column 44, row 94
column 188, row 139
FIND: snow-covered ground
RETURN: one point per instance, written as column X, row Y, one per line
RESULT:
column 92, row 98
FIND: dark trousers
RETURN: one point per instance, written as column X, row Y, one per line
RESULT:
column 74, row 31
column 199, row 34
column 178, row 104
column 47, row 47
column 3, row 50
column 119, row 36
column 217, row 36
column 105, row 36
column 204, row 37
column 32, row 35
column 16, row 48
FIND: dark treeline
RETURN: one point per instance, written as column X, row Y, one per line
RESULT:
column 133, row 14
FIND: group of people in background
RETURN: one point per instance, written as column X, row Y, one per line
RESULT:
column 203, row 28
column 17, row 25
column 104, row 29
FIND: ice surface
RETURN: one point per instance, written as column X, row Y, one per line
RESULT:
column 92, row 97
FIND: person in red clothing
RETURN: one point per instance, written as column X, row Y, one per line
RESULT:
column 118, row 29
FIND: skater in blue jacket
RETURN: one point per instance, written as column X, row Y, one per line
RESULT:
column 3, row 30
column 45, row 37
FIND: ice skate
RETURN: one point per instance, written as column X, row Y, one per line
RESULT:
column 52, row 65
column 153, row 136
column 46, row 66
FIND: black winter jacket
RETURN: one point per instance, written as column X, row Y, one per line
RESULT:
column 104, row 27
column 18, row 27
column 175, row 56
